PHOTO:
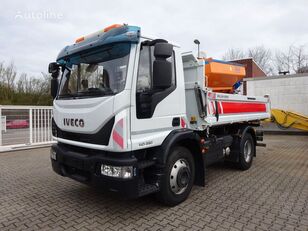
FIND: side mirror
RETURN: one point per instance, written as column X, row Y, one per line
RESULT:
column 163, row 50
column 162, row 74
column 162, row 68
column 53, row 68
column 54, row 87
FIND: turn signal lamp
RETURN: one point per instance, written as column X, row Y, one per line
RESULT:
column 79, row 40
column 108, row 28
column 98, row 33
column 193, row 119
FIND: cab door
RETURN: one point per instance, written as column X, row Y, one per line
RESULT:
column 156, row 110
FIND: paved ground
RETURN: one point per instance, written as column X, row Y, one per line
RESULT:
column 272, row 195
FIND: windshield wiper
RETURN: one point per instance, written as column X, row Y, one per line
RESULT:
column 89, row 92
column 105, row 91
column 93, row 89
column 95, row 92
column 66, row 95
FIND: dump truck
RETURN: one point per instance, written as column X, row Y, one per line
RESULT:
column 134, row 115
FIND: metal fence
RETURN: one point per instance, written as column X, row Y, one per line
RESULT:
column 24, row 127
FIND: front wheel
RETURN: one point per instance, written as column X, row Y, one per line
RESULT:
column 178, row 177
column 247, row 152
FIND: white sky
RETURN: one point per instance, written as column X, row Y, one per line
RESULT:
column 33, row 32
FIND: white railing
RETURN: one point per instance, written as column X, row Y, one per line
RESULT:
column 3, row 123
column 25, row 127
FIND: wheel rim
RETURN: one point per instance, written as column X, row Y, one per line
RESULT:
column 179, row 176
column 247, row 151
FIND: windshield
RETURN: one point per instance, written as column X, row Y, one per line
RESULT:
column 96, row 73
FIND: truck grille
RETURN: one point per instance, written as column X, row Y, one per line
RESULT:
column 101, row 137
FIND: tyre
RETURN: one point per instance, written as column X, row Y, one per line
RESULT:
column 247, row 152
column 178, row 178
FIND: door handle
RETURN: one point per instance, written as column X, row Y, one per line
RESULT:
column 176, row 121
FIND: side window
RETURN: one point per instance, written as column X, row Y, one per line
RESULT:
column 145, row 69
column 144, row 81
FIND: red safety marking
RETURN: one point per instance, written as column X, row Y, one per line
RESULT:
column 219, row 108
column 183, row 123
column 212, row 95
column 120, row 122
column 213, row 107
column 117, row 138
column 232, row 107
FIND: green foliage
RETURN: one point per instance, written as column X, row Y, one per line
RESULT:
column 24, row 91
column 20, row 98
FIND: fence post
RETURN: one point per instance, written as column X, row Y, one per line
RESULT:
column 0, row 126
column 31, row 125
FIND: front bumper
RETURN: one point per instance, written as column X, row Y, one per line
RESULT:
column 85, row 166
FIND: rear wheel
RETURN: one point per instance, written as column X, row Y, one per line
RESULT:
column 247, row 152
column 178, row 177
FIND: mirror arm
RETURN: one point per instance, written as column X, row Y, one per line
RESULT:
column 55, row 75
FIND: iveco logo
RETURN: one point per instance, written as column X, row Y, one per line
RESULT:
column 73, row 122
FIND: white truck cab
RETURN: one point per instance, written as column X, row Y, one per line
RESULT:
column 132, row 116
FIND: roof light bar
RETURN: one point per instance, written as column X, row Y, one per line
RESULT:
column 98, row 33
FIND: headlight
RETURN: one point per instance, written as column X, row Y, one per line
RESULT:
column 125, row 172
column 53, row 154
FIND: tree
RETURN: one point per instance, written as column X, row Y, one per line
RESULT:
column 284, row 60
column 294, row 60
column 303, row 69
column 233, row 54
column 300, row 59
column 10, row 76
column 1, row 72
column 22, row 84
column 24, row 91
column 7, row 78
column 262, row 57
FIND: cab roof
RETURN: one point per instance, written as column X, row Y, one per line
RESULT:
column 112, row 34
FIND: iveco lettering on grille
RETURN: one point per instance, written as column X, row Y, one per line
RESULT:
column 73, row 122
